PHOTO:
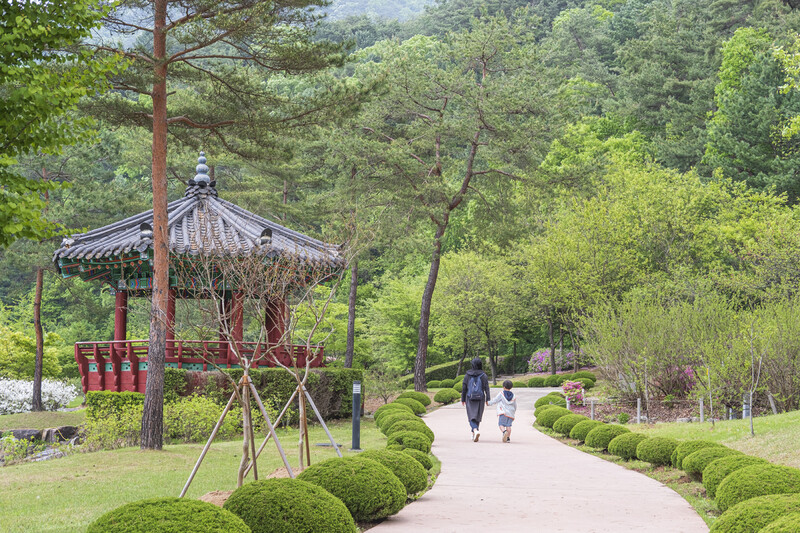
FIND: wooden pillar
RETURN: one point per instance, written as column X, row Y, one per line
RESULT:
column 224, row 322
column 121, row 316
column 173, row 295
column 274, row 321
column 237, row 315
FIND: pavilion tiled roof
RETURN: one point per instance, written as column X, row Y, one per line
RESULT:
column 201, row 221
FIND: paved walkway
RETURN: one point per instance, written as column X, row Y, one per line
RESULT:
column 535, row 483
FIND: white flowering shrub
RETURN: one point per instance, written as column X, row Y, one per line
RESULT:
column 16, row 395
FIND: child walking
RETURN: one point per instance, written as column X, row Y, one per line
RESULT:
column 506, row 409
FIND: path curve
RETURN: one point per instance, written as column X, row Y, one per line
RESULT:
column 535, row 483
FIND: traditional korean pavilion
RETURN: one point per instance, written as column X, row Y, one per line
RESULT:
column 121, row 256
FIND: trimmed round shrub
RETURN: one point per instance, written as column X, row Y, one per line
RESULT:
column 536, row 381
column 415, row 406
column 169, row 515
column 656, row 450
column 695, row 463
column 448, row 383
column 421, row 397
column 550, row 399
column 520, row 384
column 601, row 436
column 410, row 385
column 446, row 396
column 368, row 489
column 566, row 377
column 624, row 445
column 756, row 513
column 552, row 381
column 384, row 409
column 586, row 382
column 434, row 384
column 687, row 447
column 460, row 378
column 262, row 506
column 542, row 408
column 756, row 480
column 411, row 425
column 421, row 457
column 581, row 429
column 410, row 473
column 585, row 374
column 458, row 386
column 789, row 523
column 565, row 424
column 719, row 469
column 549, row 417
column 409, row 439
column 389, row 420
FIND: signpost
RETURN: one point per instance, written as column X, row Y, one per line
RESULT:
column 356, row 416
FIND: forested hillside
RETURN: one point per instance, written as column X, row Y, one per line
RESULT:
column 613, row 175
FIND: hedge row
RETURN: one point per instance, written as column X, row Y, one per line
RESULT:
column 440, row 372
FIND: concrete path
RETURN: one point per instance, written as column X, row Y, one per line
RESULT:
column 534, row 483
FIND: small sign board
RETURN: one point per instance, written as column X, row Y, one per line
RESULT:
column 356, row 387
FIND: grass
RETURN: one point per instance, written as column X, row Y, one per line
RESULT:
column 68, row 494
column 42, row 420
column 776, row 436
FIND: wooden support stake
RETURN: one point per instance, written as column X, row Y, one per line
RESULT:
column 208, row 444
column 322, row 422
column 266, row 440
column 271, row 430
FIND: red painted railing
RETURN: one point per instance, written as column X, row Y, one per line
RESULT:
column 122, row 365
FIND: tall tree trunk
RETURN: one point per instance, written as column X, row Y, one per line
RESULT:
column 153, row 413
column 425, row 310
column 37, row 325
column 552, row 346
column 351, row 315
column 463, row 356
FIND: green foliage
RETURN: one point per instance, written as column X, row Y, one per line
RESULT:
column 389, row 408
column 623, row 418
column 447, row 396
column 657, row 450
column 601, row 436
column 410, row 473
column 410, row 425
column 262, row 505
column 584, row 374
column 421, row 457
column 439, row 372
column 755, row 513
column 175, row 382
column 695, row 463
column 536, row 381
column 685, row 448
column 434, row 384
column 550, row 416
column 192, row 419
column 168, row 515
column 542, row 408
column 581, row 429
column 625, row 445
column 586, row 382
column 789, row 523
column 102, row 404
column 565, row 424
column 369, row 490
column 550, row 399
column 415, row 406
column 554, row 381
column 719, row 469
column 18, row 354
column 410, row 439
column 448, row 383
column 421, row 397
column 520, row 384
column 459, row 386
column 387, row 421
column 43, row 76
column 756, row 480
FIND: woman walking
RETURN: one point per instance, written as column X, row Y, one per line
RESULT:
column 475, row 395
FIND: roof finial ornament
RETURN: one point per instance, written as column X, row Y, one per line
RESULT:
column 202, row 171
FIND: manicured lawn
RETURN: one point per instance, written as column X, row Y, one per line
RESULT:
column 42, row 420
column 69, row 493
column 775, row 440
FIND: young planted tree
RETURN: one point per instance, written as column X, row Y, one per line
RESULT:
column 197, row 70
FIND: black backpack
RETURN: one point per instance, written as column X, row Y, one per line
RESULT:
column 474, row 388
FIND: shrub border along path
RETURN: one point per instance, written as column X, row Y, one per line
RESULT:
column 535, row 483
